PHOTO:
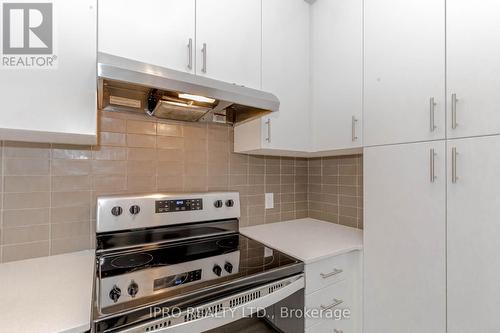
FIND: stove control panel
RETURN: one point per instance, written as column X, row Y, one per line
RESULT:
column 178, row 205
column 137, row 284
column 175, row 280
column 128, row 212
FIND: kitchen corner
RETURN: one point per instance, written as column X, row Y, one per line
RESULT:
column 332, row 255
column 307, row 239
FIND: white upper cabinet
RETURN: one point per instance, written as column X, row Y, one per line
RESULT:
column 404, row 239
column 336, row 74
column 312, row 60
column 55, row 104
column 473, row 234
column 473, row 60
column 404, row 99
column 228, row 41
column 158, row 32
column 285, row 73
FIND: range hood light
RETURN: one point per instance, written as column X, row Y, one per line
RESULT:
column 179, row 104
column 197, row 98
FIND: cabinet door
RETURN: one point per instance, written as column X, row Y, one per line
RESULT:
column 156, row 32
column 56, row 104
column 285, row 72
column 404, row 71
column 228, row 41
column 404, row 239
column 473, row 61
column 337, row 74
column 473, row 235
column 285, row 49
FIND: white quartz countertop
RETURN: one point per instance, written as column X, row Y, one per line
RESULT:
column 49, row 294
column 307, row 239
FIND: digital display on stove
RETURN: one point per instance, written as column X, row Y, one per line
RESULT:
column 176, row 280
column 179, row 205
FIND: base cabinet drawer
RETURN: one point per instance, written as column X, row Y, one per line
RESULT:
column 326, row 272
column 327, row 327
column 328, row 304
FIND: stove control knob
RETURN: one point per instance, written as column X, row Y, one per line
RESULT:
column 230, row 203
column 134, row 210
column 218, row 203
column 116, row 211
column 228, row 267
column 217, row 270
column 133, row 288
column 115, row 293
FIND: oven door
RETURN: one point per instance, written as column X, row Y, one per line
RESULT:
column 268, row 308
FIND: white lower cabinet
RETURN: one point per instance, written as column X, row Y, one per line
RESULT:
column 333, row 298
column 431, row 237
column 334, row 285
column 404, row 238
column 473, row 233
column 326, row 327
column 328, row 271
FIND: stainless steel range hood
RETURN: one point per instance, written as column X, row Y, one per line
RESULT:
column 128, row 85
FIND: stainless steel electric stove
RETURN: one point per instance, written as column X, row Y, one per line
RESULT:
column 176, row 263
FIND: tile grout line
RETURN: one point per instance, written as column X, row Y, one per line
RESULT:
column 281, row 184
column 2, row 198
column 247, row 182
column 50, row 199
column 92, row 237
column 207, row 147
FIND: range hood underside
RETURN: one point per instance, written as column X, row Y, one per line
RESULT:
column 129, row 85
column 119, row 97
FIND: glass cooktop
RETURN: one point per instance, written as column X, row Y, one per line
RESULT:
column 254, row 257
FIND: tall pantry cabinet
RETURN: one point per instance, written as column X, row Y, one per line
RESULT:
column 404, row 94
column 473, row 67
column 473, row 198
column 404, row 238
column 431, row 165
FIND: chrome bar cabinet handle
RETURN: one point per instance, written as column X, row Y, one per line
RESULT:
column 190, row 54
column 454, row 101
column 332, row 273
column 432, row 165
column 353, row 129
column 432, row 109
column 454, row 154
column 336, row 302
column 204, row 51
column 268, row 123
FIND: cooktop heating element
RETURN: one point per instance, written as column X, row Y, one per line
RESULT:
column 131, row 260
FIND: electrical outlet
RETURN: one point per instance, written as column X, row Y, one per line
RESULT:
column 269, row 200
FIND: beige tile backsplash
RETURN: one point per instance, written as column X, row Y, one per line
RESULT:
column 48, row 192
column 335, row 189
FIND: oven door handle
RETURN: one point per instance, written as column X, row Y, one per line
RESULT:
column 237, row 312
